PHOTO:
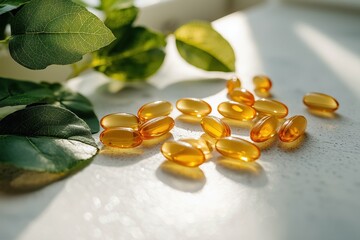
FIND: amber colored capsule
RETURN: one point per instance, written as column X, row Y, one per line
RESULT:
column 193, row 106
column 264, row 129
column 242, row 95
column 271, row 107
column 237, row 148
column 156, row 127
column 320, row 101
column 215, row 127
column 121, row 137
column 262, row 83
column 154, row 109
column 233, row 83
column 200, row 144
column 236, row 111
column 114, row 120
column 182, row 153
column 292, row 128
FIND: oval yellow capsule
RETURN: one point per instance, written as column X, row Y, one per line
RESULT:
column 182, row 153
column 233, row 83
column 242, row 95
column 238, row 148
column 156, row 127
column 236, row 111
column 292, row 128
column 114, row 120
column 215, row 127
column 264, row 129
column 262, row 83
column 271, row 107
column 154, row 109
column 321, row 101
column 200, row 144
column 121, row 137
column 193, row 106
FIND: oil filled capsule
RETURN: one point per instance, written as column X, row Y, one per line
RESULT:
column 262, row 83
column 233, row 83
column 215, row 127
column 271, row 107
column 242, row 95
column 182, row 153
column 237, row 111
column 114, row 120
column 156, row 127
column 292, row 128
column 238, row 148
column 321, row 102
column 154, row 109
column 264, row 129
column 121, row 137
column 193, row 106
column 200, row 144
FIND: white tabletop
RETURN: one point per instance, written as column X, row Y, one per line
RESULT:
column 311, row 192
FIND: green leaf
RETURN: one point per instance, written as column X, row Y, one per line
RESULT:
column 200, row 45
column 9, row 5
column 46, row 32
column 110, row 5
column 135, row 56
column 45, row 139
column 16, row 92
column 4, row 21
column 118, row 18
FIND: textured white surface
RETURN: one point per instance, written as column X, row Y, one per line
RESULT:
column 311, row 192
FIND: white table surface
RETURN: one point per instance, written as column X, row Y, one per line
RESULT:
column 311, row 192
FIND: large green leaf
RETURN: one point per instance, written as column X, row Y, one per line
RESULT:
column 200, row 45
column 16, row 92
column 46, row 32
column 44, row 139
column 9, row 5
column 135, row 56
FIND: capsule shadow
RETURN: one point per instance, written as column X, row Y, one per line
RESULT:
column 323, row 114
column 186, row 179
column 248, row 173
column 268, row 143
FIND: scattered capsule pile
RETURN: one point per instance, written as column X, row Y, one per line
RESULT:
column 125, row 130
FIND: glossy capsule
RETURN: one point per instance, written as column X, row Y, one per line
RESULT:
column 233, row 83
column 238, row 111
column 320, row 101
column 200, row 144
column 242, row 95
column 193, row 106
column 271, row 107
column 154, row 109
column 215, row 127
column 264, row 129
column 121, row 137
column 182, row 153
column 156, row 127
column 292, row 128
column 262, row 83
column 237, row 148
column 114, row 120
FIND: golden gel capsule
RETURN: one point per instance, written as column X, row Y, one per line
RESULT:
column 262, row 83
column 154, row 109
column 236, row 111
column 156, row 127
column 271, row 107
column 215, row 127
column 292, row 128
column 242, row 95
column 264, row 129
column 233, row 83
column 200, row 144
column 121, row 137
column 193, row 106
column 238, row 148
column 114, row 120
column 320, row 101
column 182, row 153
